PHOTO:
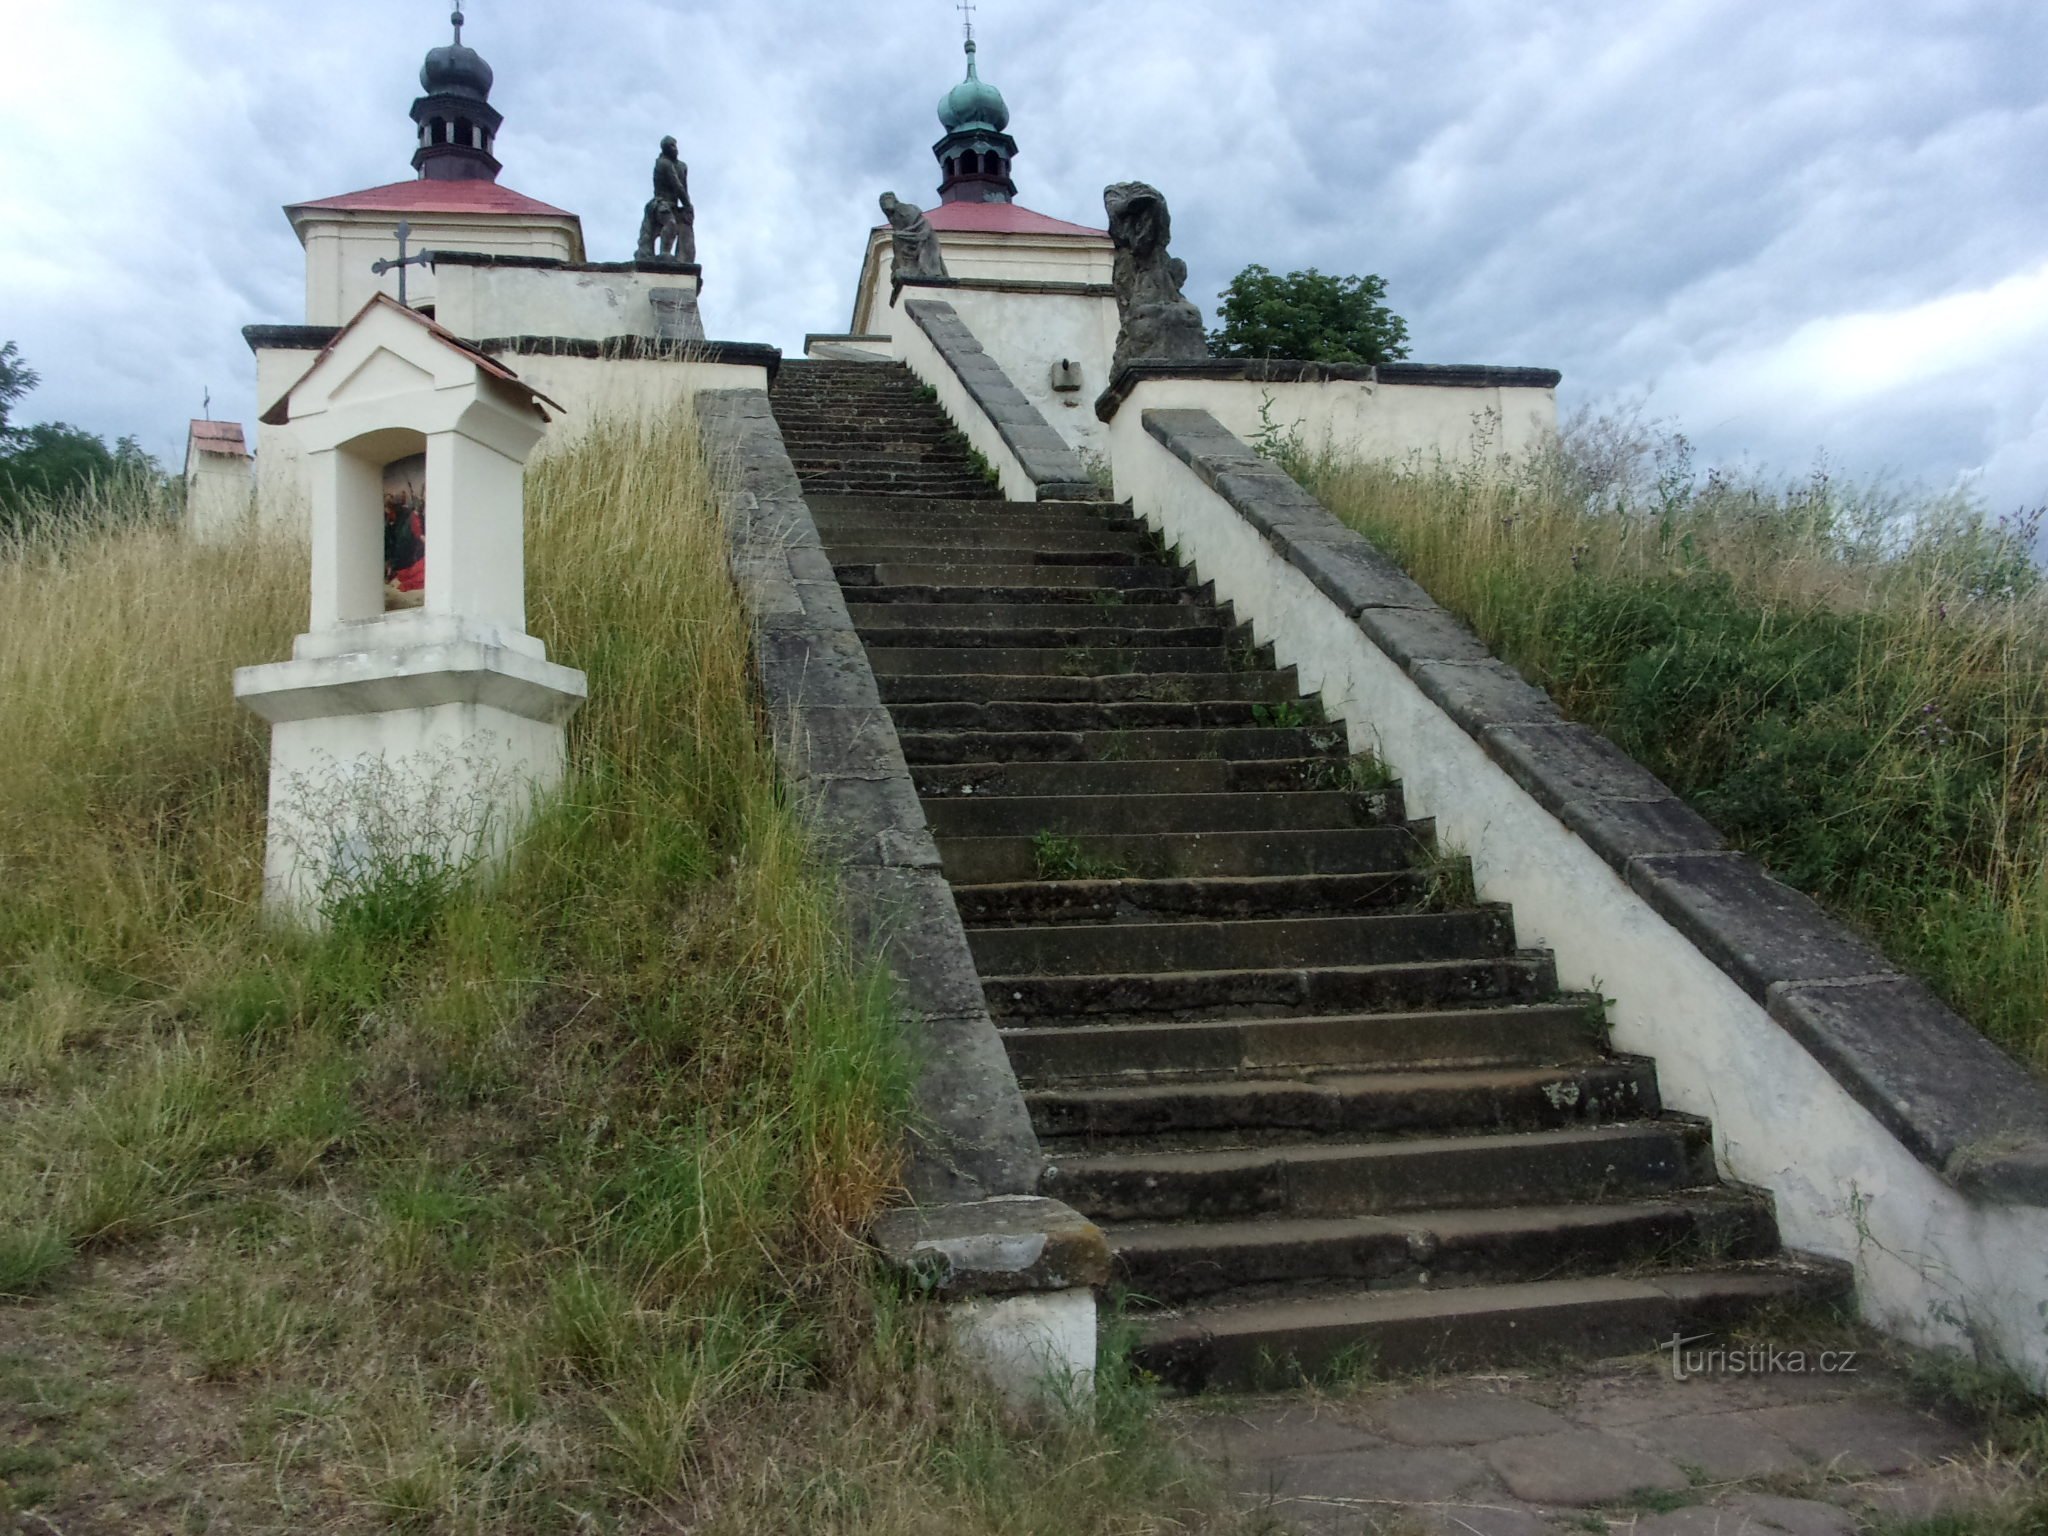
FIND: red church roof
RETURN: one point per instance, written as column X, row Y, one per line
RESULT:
column 1002, row 219
column 423, row 196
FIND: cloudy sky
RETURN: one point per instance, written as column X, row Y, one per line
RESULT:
column 1799, row 225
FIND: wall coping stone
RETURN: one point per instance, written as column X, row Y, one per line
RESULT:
column 974, row 1158
column 1266, row 370
column 1951, row 1097
column 1052, row 466
column 817, row 336
column 556, row 264
column 1003, row 285
column 744, row 354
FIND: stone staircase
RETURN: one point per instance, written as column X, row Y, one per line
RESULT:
column 1325, row 1109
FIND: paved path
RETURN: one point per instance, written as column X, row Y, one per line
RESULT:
column 1617, row 1446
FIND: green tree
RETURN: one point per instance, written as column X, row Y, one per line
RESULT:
column 16, row 380
column 1309, row 316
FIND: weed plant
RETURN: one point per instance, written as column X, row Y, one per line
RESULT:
column 1850, row 684
column 522, row 1205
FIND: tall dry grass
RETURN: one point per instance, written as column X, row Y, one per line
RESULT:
column 1850, row 682
column 531, row 1206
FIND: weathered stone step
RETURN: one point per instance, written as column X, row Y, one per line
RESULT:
column 911, row 518
column 1010, row 715
column 1277, row 1343
column 1045, row 661
column 1084, row 582
column 1546, row 1034
column 935, row 484
column 1527, row 977
column 1165, row 856
column 1351, row 1104
column 984, row 687
column 1110, row 629
column 1178, row 1263
column 999, row 619
column 845, row 506
column 903, row 545
column 1377, row 1177
column 1249, row 944
column 978, row 593
column 1078, row 902
column 988, row 539
column 1123, row 815
column 1201, row 776
column 1120, row 746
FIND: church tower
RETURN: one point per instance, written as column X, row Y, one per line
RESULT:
column 975, row 154
column 458, row 126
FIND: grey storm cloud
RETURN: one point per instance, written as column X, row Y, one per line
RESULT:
column 1799, row 227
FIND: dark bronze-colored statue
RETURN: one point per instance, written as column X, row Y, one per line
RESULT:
column 1156, row 319
column 913, row 242
column 669, row 227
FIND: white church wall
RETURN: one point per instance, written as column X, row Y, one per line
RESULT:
column 1933, row 1263
column 341, row 248
column 220, row 492
column 995, row 258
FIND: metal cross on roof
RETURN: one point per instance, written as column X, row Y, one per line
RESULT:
column 424, row 259
column 967, row 14
column 457, row 19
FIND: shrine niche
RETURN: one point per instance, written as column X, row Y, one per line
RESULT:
column 416, row 718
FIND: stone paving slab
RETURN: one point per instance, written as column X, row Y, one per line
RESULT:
column 1621, row 1445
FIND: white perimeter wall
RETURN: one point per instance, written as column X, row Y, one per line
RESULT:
column 589, row 389
column 341, row 247
column 1932, row 1265
column 1407, row 423
column 483, row 302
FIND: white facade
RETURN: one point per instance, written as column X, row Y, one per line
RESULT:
column 220, row 482
column 412, row 738
column 583, row 302
column 999, row 257
column 341, row 245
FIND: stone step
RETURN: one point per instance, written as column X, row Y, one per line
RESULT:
column 978, row 593
column 936, row 484
column 1182, row 1262
column 1375, row 1104
column 1101, row 902
column 1281, row 1342
column 1046, row 661
column 1527, row 977
column 826, row 506
column 999, row 619
column 1084, row 581
column 902, row 546
column 1079, row 816
column 1028, row 715
column 1351, row 1178
column 910, row 519
column 1545, row 1034
column 1201, row 776
column 1167, row 856
column 1230, row 744
column 984, row 687
column 1243, row 944
column 989, row 540
column 1090, row 628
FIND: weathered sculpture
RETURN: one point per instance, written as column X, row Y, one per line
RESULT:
column 668, row 228
column 914, row 244
column 1155, row 318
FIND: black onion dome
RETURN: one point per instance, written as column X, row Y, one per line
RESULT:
column 456, row 70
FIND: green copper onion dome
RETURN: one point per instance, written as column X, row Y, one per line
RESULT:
column 974, row 103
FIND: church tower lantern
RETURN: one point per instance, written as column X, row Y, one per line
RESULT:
column 458, row 126
column 975, row 154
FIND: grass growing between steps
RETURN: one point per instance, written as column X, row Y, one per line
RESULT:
column 1851, row 686
column 520, row 1209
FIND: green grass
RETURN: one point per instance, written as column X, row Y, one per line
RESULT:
column 523, row 1205
column 1852, row 687
column 1064, row 858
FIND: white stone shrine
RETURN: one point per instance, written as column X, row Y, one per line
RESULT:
column 407, row 731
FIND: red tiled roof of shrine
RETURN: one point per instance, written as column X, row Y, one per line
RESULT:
column 220, row 437
column 1001, row 219
column 424, row 196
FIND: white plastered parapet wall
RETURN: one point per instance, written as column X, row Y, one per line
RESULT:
column 1889, row 1135
column 594, row 380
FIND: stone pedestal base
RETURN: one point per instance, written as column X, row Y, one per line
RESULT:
column 425, row 758
column 1033, row 1348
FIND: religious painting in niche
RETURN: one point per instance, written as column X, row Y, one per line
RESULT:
column 405, row 532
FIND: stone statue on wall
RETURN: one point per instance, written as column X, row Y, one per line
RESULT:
column 913, row 241
column 1155, row 318
column 668, row 229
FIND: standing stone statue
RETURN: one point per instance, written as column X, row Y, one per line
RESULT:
column 669, row 226
column 1155, row 319
column 913, row 241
